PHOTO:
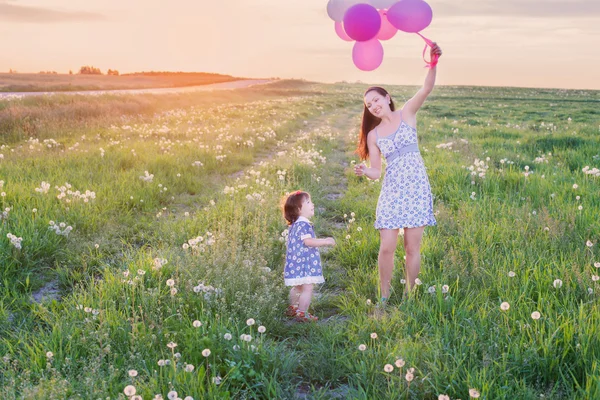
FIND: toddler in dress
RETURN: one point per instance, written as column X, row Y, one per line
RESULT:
column 303, row 261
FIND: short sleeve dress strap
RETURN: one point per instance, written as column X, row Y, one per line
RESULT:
column 304, row 230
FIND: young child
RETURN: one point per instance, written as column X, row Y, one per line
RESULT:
column 303, row 262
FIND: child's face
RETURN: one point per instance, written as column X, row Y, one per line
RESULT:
column 308, row 208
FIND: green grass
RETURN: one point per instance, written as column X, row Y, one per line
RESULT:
column 203, row 242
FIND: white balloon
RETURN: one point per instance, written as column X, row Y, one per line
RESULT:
column 382, row 4
column 337, row 8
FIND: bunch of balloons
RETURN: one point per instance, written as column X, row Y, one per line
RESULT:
column 370, row 21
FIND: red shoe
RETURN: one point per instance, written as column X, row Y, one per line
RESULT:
column 291, row 311
column 302, row 316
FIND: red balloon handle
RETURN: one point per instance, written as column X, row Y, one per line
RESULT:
column 434, row 58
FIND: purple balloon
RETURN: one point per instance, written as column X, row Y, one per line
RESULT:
column 362, row 22
column 410, row 15
column 368, row 55
column 339, row 29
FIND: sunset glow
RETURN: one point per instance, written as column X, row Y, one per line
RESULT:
column 528, row 43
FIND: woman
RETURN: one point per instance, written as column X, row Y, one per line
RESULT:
column 405, row 201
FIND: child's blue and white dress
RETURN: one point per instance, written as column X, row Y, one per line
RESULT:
column 302, row 263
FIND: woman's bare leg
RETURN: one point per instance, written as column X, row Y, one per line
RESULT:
column 412, row 247
column 387, row 249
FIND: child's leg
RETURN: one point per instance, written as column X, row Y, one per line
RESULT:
column 295, row 292
column 305, row 297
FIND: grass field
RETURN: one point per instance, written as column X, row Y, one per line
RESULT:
column 66, row 83
column 142, row 248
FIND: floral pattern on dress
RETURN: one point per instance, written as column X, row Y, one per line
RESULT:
column 405, row 200
column 302, row 263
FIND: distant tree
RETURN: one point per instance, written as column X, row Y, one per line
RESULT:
column 89, row 70
column 113, row 72
column 12, row 71
column 70, row 72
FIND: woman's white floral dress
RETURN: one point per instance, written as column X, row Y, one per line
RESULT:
column 405, row 200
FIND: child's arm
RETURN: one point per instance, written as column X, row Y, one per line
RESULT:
column 314, row 242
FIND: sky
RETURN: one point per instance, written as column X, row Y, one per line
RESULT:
column 524, row 43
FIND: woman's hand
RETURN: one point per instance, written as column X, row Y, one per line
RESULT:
column 360, row 169
column 330, row 241
column 435, row 50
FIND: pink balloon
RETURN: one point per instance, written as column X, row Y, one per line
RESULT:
column 362, row 22
column 387, row 30
column 410, row 15
column 368, row 55
column 339, row 29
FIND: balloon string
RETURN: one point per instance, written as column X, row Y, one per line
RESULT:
column 434, row 58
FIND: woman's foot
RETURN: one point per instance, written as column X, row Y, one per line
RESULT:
column 380, row 308
column 302, row 316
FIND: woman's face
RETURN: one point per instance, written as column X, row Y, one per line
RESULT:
column 377, row 104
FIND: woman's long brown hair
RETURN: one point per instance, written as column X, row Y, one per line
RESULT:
column 369, row 122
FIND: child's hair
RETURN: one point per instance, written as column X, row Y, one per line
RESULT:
column 292, row 204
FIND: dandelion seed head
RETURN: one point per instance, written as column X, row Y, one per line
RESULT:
column 557, row 283
column 129, row 390
column 172, row 395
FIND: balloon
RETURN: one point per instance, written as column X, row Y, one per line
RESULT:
column 339, row 29
column 337, row 8
column 387, row 30
column 362, row 22
column 410, row 15
column 368, row 55
column 382, row 4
